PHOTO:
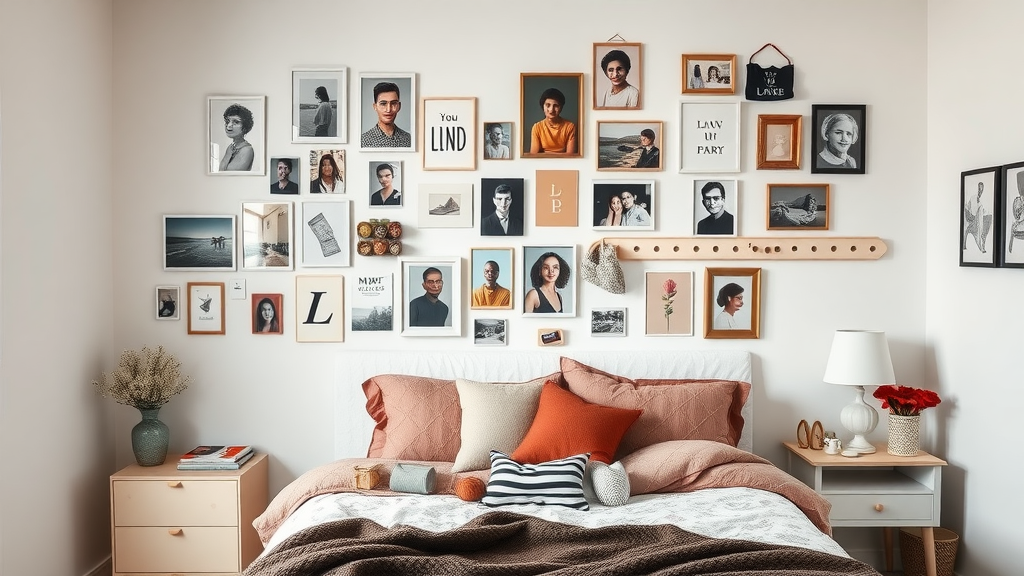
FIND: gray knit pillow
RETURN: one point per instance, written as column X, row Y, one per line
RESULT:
column 610, row 482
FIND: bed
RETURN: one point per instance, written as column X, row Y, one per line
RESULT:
column 617, row 462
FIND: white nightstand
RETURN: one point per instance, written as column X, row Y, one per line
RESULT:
column 165, row 520
column 876, row 490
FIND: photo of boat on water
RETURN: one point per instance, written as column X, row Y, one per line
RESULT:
column 199, row 242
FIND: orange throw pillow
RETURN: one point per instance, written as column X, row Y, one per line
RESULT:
column 566, row 425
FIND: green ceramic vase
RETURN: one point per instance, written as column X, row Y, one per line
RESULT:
column 150, row 438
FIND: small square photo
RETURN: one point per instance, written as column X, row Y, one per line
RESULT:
column 489, row 332
column 608, row 322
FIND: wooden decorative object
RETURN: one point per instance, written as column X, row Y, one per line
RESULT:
column 366, row 477
column 748, row 248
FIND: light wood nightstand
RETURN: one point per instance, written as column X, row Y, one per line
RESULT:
column 165, row 520
column 876, row 490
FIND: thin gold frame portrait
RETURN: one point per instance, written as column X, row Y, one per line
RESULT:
column 709, row 74
column 725, row 281
column 531, row 87
column 778, row 141
column 798, row 207
column 505, row 259
column 629, row 56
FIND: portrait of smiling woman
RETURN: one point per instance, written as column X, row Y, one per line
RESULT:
column 839, row 139
column 236, row 131
column 617, row 76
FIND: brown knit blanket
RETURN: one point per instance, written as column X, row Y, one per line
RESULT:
column 508, row 544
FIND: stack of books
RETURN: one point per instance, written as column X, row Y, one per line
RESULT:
column 215, row 458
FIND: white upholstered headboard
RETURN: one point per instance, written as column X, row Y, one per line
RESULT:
column 353, row 427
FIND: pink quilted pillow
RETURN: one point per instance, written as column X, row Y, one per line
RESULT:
column 685, row 409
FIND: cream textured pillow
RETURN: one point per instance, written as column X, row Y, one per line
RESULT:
column 610, row 482
column 495, row 416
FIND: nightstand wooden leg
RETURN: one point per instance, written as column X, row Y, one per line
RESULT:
column 887, row 541
column 928, row 539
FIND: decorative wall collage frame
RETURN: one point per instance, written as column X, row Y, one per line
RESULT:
column 732, row 307
column 709, row 137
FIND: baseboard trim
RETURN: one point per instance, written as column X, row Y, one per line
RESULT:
column 104, row 568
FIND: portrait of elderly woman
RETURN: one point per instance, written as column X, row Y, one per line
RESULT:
column 839, row 139
column 236, row 135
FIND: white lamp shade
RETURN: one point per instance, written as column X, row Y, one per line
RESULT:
column 859, row 358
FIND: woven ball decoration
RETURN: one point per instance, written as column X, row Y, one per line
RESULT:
column 394, row 229
column 470, row 489
column 365, row 247
column 394, row 247
column 380, row 230
column 364, row 229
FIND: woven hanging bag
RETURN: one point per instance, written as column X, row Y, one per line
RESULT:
column 602, row 269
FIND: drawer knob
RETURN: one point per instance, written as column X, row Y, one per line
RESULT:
column 174, row 531
column 174, row 484
column 879, row 508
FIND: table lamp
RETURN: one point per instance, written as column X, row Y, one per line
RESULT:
column 859, row 358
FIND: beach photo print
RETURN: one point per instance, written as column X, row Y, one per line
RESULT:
column 629, row 146
column 199, row 242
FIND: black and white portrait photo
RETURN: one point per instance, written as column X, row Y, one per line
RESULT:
column 838, row 137
column 320, row 106
column 715, row 206
column 628, row 203
column 236, row 126
column 501, row 206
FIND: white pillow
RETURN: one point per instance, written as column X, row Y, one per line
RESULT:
column 606, row 483
column 495, row 416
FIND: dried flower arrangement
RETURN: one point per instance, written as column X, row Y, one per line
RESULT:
column 906, row 401
column 145, row 379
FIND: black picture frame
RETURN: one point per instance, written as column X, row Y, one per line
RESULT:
column 1011, row 211
column 979, row 217
column 826, row 162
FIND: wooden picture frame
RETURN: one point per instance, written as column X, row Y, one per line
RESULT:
column 838, row 133
column 326, row 233
column 980, row 240
column 241, row 118
column 205, row 307
column 668, row 303
column 1011, row 210
column 533, row 87
column 610, row 200
column 798, row 207
column 709, row 138
column 267, row 236
column 481, row 265
column 421, row 305
column 445, row 205
column 709, row 74
column 498, row 140
column 267, row 314
column 201, row 242
column 628, row 146
column 712, row 217
column 778, row 141
column 509, row 194
column 320, row 308
column 490, row 332
column 534, row 258
column 168, row 303
column 739, row 290
column 608, row 322
column 449, row 133
column 550, row 337
column 371, row 112
column 618, row 76
column 320, row 95
column 379, row 179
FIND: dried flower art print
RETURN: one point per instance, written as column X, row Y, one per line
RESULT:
column 668, row 303
column 145, row 379
column 906, row 401
column 669, row 286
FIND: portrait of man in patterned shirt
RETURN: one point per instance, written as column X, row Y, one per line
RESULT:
column 385, row 133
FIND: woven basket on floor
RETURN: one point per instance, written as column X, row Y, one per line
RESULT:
column 912, row 551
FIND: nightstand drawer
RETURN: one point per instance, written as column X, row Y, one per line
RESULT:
column 908, row 508
column 194, row 549
column 175, row 503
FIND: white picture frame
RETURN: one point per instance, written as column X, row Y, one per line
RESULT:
column 449, row 133
column 703, row 225
column 608, row 322
column 306, row 93
column 490, row 332
column 405, row 119
column 199, row 242
column 168, row 303
column 414, row 287
column 266, row 232
column 709, row 140
column 534, row 255
column 219, row 143
column 326, row 227
column 639, row 217
column 445, row 205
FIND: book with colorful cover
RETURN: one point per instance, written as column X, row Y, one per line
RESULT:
column 214, row 465
column 216, row 454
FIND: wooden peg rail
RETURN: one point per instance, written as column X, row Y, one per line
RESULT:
column 745, row 248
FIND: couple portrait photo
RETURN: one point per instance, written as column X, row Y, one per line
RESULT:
column 624, row 203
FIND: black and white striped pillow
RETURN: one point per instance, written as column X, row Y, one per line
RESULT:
column 558, row 482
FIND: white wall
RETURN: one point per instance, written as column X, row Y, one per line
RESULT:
column 973, row 316
column 57, row 288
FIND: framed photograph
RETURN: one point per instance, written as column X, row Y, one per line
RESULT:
column 237, row 131
column 205, row 307
column 558, row 197
column 167, row 298
column 709, row 74
column 710, row 137
column 266, row 314
column 432, row 297
column 326, row 233
column 550, row 337
column 320, row 308
column 629, row 146
column 283, row 177
column 501, row 206
column 326, row 171
column 608, row 322
column 387, row 115
column 798, row 207
column 385, row 183
column 498, row 140
column 1011, row 210
column 979, row 217
column 267, row 236
column 489, row 331
column 449, row 133
column 628, row 203
column 205, row 243
column 492, row 277
column 715, row 205
column 668, row 303
column 445, row 206
column 778, row 141
column 551, row 108
column 733, row 303
column 320, row 106
column 549, row 283
column 838, row 133
column 618, row 75
column 373, row 303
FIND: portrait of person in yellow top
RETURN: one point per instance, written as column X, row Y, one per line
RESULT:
column 551, row 107
column 488, row 290
column 553, row 134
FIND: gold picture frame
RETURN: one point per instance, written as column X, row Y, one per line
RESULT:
column 625, row 59
column 738, row 315
column 533, row 91
column 798, row 207
column 709, row 74
column 778, row 141
column 205, row 307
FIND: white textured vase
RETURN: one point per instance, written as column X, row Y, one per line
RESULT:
column 904, row 436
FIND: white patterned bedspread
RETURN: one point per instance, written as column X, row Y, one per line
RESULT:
column 738, row 513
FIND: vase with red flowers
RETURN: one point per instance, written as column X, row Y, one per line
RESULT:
column 905, row 404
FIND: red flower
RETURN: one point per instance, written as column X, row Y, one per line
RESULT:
column 906, row 401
